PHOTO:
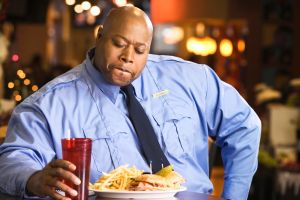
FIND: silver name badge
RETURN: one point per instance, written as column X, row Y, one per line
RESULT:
column 161, row 93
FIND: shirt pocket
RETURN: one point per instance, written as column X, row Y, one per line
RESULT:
column 177, row 129
column 101, row 151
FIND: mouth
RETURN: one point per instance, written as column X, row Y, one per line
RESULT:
column 119, row 74
column 122, row 69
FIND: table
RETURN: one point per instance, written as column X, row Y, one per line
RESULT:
column 180, row 196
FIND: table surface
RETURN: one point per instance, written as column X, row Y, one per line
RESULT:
column 180, row 196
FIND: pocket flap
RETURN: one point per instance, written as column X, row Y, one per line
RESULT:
column 95, row 132
column 175, row 113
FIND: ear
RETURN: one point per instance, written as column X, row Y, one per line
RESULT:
column 99, row 32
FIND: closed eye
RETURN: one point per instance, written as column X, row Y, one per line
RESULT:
column 140, row 51
column 119, row 44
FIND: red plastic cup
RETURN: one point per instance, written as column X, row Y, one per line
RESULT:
column 78, row 152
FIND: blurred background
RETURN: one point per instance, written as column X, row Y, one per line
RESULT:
column 251, row 44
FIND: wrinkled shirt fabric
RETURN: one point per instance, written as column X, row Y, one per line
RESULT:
column 185, row 102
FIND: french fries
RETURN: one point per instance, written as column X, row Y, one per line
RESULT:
column 126, row 178
column 118, row 179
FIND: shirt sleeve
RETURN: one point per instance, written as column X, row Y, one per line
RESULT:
column 27, row 148
column 237, row 129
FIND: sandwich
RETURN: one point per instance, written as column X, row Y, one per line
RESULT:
column 175, row 179
column 151, row 182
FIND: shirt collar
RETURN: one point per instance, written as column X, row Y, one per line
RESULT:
column 110, row 90
column 137, row 87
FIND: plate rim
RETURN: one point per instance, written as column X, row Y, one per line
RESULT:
column 182, row 188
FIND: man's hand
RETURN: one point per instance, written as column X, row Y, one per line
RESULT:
column 47, row 181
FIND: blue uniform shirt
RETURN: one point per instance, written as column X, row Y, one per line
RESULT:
column 185, row 102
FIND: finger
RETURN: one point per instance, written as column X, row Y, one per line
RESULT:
column 55, row 183
column 52, row 193
column 62, row 164
column 65, row 175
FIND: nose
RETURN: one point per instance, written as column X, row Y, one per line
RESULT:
column 128, row 55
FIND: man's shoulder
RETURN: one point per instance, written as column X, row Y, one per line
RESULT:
column 165, row 58
column 63, row 81
column 173, row 63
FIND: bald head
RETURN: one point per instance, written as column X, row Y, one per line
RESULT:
column 124, row 15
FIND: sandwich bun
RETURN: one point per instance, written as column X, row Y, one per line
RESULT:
column 150, row 182
column 151, row 178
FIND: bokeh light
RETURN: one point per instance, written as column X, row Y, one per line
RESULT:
column 226, row 47
column 95, row 10
column 70, row 2
column 78, row 9
column 27, row 81
column 18, row 97
column 34, row 88
column 120, row 3
column 241, row 45
column 85, row 5
column 15, row 57
column 21, row 74
column 10, row 85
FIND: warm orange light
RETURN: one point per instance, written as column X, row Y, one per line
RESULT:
column 10, row 85
column 226, row 47
column 18, row 97
column 21, row 74
column 194, row 45
column 200, row 29
column 211, row 45
column 26, row 81
column 34, row 88
column 241, row 45
column 201, row 46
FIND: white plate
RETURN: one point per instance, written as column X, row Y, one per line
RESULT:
column 137, row 194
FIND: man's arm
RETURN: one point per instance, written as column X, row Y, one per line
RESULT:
column 25, row 155
column 237, row 129
column 21, row 154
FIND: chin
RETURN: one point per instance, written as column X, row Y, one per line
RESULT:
column 120, row 82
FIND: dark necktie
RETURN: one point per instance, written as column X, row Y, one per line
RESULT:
column 150, row 146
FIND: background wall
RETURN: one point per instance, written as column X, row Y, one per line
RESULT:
column 30, row 39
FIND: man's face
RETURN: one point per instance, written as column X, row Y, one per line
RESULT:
column 122, row 51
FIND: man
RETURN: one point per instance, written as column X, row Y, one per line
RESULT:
column 185, row 103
